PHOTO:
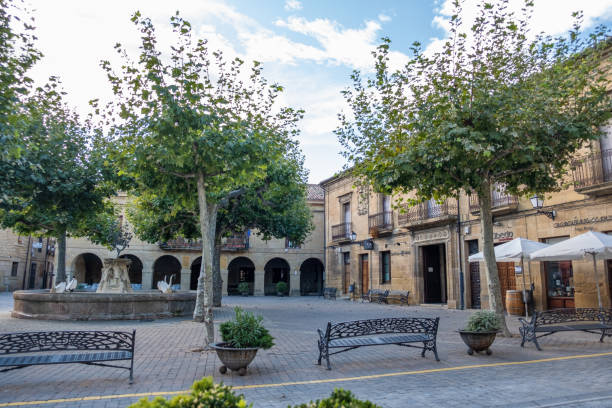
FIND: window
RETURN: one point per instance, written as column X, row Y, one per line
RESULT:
column 346, row 212
column 39, row 246
column 14, row 268
column 290, row 244
column 385, row 267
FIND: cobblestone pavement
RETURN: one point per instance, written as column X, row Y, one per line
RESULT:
column 560, row 375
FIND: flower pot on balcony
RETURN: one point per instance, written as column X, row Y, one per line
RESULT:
column 374, row 232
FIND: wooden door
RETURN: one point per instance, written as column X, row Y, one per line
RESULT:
column 609, row 267
column 475, row 284
column 347, row 271
column 365, row 274
column 431, row 273
column 506, row 278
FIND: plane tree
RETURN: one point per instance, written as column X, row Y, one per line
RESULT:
column 496, row 108
column 191, row 124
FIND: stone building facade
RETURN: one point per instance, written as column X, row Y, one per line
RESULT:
column 425, row 249
column 243, row 258
column 25, row 262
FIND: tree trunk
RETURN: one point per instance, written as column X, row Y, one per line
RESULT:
column 217, row 281
column 203, row 307
column 60, row 274
column 486, row 225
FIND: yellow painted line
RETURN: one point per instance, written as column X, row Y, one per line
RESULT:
column 309, row 382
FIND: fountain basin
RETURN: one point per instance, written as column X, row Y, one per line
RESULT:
column 81, row 305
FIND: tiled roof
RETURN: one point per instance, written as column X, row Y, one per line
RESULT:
column 315, row 192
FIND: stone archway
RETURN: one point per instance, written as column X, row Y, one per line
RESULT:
column 196, row 265
column 134, row 270
column 88, row 268
column 164, row 267
column 311, row 277
column 276, row 270
column 240, row 270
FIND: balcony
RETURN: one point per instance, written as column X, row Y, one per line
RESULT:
column 181, row 244
column 501, row 203
column 342, row 232
column 593, row 173
column 429, row 214
column 381, row 223
column 236, row 242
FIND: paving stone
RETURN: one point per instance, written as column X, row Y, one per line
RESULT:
column 164, row 362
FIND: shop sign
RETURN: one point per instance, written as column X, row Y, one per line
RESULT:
column 430, row 236
column 400, row 253
column 583, row 221
column 503, row 236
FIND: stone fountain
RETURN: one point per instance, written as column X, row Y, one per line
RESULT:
column 113, row 300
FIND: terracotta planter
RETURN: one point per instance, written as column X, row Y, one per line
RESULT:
column 478, row 341
column 236, row 359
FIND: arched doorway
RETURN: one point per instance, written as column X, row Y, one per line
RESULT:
column 311, row 277
column 165, row 267
column 87, row 269
column 134, row 270
column 239, row 270
column 196, row 265
column 276, row 270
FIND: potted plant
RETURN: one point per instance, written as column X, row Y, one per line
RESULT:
column 242, row 337
column 281, row 288
column 480, row 331
column 244, row 289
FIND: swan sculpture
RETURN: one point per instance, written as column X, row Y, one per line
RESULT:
column 165, row 286
column 60, row 288
column 71, row 286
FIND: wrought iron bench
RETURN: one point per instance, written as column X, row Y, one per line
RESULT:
column 401, row 297
column 402, row 331
column 42, row 348
column 329, row 293
column 552, row 321
column 376, row 295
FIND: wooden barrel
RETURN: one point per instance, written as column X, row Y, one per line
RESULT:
column 514, row 302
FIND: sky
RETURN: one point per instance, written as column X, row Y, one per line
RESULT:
column 308, row 46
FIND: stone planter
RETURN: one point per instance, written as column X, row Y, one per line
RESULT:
column 236, row 359
column 478, row 341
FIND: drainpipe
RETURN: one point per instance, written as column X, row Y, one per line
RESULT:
column 459, row 244
column 325, row 271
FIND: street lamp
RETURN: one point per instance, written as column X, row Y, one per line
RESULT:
column 538, row 202
column 353, row 236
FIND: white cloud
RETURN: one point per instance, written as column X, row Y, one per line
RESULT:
column 384, row 18
column 340, row 45
column 293, row 5
column 552, row 17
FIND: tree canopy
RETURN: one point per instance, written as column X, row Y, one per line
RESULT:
column 57, row 182
column 191, row 125
column 497, row 107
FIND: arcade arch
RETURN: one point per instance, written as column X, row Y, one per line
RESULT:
column 311, row 277
column 239, row 270
column 276, row 270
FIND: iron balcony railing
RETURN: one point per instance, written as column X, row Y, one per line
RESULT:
column 593, row 169
column 181, row 244
column 429, row 210
column 498, row 199
column 381, row 221
column 342, row 231
column 236, row 242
